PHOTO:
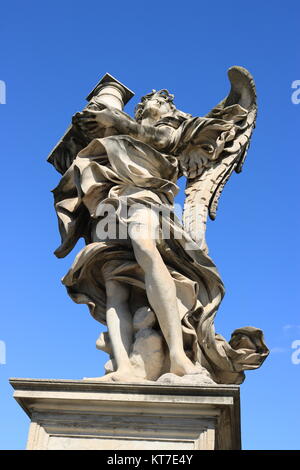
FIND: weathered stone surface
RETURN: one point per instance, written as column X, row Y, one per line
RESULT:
column 79, row 415
column 144, row 317
column 103, row 343
column 192, row 379
column 148, row 355
column 110, row 366
column 145, row 252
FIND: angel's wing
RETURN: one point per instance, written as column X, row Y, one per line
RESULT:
column 217, row 146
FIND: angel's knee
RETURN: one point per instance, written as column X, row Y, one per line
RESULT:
column 145, row 252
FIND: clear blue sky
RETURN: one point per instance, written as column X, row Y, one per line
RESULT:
column 52, row 54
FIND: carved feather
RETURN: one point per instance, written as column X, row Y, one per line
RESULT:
column 205, row 186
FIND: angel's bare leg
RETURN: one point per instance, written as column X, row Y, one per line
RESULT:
column 161, row 293
column 120, row 329
column 119, row 322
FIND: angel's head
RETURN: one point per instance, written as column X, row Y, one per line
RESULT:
column 157, row 105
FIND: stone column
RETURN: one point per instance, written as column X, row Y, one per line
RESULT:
column 81, row 415
column 110, row 92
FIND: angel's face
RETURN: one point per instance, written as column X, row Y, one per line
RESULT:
column 155, row 108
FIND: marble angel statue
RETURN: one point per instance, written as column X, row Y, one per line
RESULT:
column 158, row 295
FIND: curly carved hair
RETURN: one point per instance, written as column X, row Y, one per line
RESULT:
column 168, row 98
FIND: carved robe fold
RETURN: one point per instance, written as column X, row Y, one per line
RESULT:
column 119, row 172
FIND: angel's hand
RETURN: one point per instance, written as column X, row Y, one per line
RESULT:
column 93, row 123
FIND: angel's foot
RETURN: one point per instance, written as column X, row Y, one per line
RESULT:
column 119, row 375
column 181, row 365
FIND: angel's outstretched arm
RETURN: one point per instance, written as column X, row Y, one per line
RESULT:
column 93, row 122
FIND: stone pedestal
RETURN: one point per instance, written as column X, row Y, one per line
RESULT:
column 77, row 414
